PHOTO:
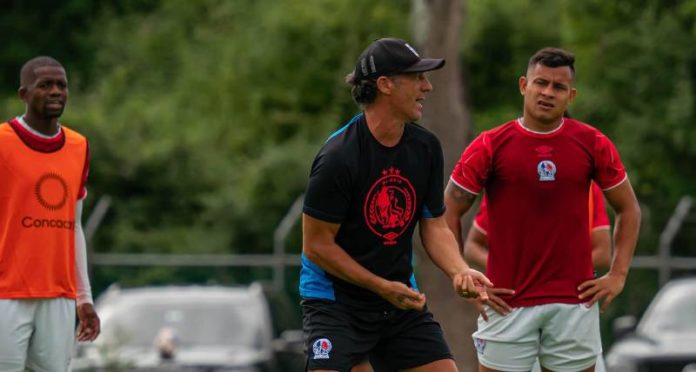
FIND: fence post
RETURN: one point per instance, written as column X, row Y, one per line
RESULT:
column 667, row 237
column 279, row 236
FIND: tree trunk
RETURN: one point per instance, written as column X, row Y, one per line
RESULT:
column 438, row 27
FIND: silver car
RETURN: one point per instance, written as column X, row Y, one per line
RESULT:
column 192, row 328
column 665, row 338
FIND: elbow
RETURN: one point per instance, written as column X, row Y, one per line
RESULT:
column 638, row 212
column 311, row 253
column 630, row 212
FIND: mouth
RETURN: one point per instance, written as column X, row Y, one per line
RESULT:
column 54, row 104
column 545, row 105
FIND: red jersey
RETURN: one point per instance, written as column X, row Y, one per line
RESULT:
column 537, row 192
column 598, row 213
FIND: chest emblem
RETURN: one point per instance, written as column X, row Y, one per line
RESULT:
column 51, row 191
column 546, row 170
column 390, row 205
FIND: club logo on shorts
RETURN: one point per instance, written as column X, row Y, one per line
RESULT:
column 51, row 191
column 321, row 348
column 390, row 205
column 480, row 345
column 546, row 170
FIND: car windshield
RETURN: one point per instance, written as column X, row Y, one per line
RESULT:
column 673, row 311
column 192, row 321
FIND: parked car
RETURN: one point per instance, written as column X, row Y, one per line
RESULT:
column 183, row 328
column 665, row 338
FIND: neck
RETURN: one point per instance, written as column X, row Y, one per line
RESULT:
column 540, row 126
column 47, row 126
column 386, row 129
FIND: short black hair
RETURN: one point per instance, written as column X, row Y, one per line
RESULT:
column 26, row 74
column 553, row 57
column 363, row 91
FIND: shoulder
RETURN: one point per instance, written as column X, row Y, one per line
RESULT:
column 489, row 138
column 420, row 133
column 502, row 130
column 5, row 129
column 73, row 134
column 578, row 127
column 342, row 145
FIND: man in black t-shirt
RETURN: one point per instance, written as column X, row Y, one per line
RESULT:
column 371, row 183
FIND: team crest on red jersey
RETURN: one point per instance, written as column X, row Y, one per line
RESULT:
column 546, row 170
column 390, row 205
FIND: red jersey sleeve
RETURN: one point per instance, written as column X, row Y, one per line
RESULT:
column 600, row 219
column 481, row 219
column 609, row 171
column 471, row 171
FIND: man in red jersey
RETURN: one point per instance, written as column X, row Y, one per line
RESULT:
column 536, row 171
column 43, row 280
column 476, row 250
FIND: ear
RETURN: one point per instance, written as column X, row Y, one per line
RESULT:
column 573, row 93
column 22, row 92
column 523, row 84
column 385, row 85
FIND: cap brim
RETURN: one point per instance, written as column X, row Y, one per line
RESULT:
column 426, row 64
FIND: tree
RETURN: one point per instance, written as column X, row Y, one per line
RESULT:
column 447, row 115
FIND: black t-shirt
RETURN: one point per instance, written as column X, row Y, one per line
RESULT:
column 377, row 194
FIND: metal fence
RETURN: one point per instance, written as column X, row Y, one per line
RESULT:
column 279, row 260
column 663, row 261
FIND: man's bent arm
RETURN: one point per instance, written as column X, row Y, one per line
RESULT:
column 476, row 247
column 626, row 226
column 457, row 202
column 319, row 246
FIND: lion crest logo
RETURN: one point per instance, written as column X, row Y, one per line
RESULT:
column 390, row 205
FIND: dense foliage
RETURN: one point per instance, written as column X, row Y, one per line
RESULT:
column 203, row 116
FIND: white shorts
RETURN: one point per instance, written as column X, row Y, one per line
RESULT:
column 565, row 337
column 38, row 334
column 598, row 367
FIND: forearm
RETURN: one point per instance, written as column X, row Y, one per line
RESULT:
column 476, row 254
column 441, row 246
column 454, row 223
column 334, row 260
column 601, row 248
column 625, row 240
column 84, row 290
column 457, row 202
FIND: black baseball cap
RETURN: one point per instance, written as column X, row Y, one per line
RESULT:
column 391, row 56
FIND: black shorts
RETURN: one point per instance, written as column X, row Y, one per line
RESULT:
column 338, row 337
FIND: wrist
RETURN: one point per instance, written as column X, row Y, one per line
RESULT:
column 84, row 299
column 459, row 270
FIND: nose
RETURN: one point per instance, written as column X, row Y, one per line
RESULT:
column 56, row 90
column 426, row 86
column 548, row 90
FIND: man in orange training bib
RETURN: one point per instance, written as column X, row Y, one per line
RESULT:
column 43, row 272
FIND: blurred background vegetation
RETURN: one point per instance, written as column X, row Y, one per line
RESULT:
column 203, row 116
